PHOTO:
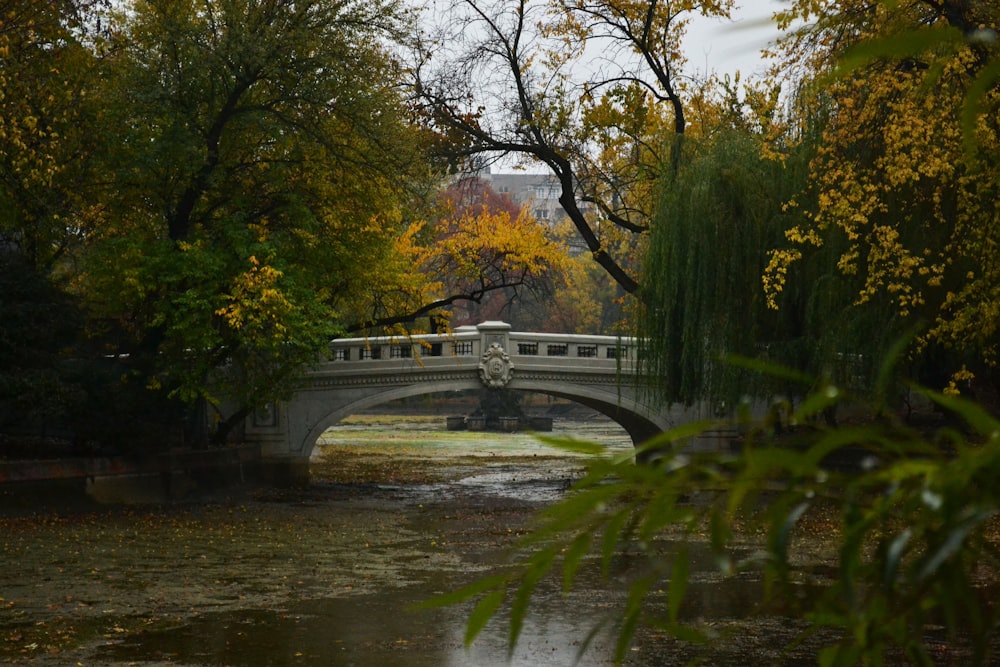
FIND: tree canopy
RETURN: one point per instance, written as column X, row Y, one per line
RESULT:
column 905, row 179
column 863, row 205
column 478, row 248
column 224, row 185
column 520, row 79
column 260, row 171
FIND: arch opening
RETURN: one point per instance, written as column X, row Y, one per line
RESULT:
column 638, row 427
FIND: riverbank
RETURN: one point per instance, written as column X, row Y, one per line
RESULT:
column 46, row 485
column 331, row 574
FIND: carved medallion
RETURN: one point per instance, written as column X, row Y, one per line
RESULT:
column 495, row 368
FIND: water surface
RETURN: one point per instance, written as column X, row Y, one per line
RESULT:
column 398, row 513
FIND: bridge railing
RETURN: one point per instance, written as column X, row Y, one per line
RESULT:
column 473, row 340
column 376, row 348
column 571, row 345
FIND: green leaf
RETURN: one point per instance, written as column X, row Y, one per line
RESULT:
column 893, row 555
column 661, row 510
column 575, row 511
column 906, row 469
column 612, row 536
column 720, row 533
column 973, row 414
column 678, row 584
column 954, row 542
column 630, row 617
column 483, row 612
column 896, row 352
column 779, row 542
column 538, row 566
column 665, row 443
column 588, row 640
column 686, row 633
column 899, row 45
column 766, row 462
column 465, row 593
column 577, row 549
column 839, row 655
column 816, row 402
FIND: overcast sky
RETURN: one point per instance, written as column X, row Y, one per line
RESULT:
column 719, row 46
column 725, row 46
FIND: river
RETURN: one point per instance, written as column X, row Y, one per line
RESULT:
column 399, row 511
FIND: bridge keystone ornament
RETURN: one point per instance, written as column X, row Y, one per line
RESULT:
column 495, row 368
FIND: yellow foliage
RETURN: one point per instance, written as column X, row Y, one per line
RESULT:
column 465, row 254
column 962, row 375
column 43, row 133
column 776, row 274
column 256, row 304
column 490, row 242
column 893, row 175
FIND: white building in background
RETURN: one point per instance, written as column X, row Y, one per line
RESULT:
column 539, row 192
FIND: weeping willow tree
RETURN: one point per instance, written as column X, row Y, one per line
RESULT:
column 718, row 217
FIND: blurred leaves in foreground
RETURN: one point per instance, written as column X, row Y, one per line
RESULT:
column 910, row 516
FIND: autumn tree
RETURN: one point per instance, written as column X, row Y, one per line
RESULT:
column 717, row 217
column 260, row 179
column 861, row 205
column 562, row 292
column 47, row 145
column 471, row 196
column 516, row 79
column 477, row 252
column 228, row 183
column 905, row 182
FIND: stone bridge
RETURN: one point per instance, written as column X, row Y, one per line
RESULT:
column 595, row 371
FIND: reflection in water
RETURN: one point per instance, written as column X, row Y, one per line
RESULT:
column 383, row 629
column 366, row 631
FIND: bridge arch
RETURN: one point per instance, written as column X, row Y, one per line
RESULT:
column 340, row 411
column 638, row 423
column 638, row 426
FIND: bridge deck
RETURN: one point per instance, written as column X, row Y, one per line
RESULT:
column 466, row 345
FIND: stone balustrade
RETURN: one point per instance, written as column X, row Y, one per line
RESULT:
column 474, row 340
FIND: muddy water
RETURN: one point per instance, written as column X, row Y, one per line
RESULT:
column 399, row 511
